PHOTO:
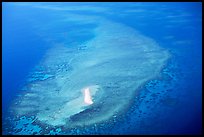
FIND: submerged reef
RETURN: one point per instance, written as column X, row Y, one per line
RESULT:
column 113, row 65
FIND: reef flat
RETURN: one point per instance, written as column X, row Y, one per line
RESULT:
column 114, row 64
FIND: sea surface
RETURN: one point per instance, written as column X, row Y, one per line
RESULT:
column 141, row 63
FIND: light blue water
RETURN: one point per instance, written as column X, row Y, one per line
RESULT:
column 169, row 104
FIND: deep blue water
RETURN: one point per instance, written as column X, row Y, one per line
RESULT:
column 22, row 49
column 177, row 93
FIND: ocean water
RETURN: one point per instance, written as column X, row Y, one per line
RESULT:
column 102, row 68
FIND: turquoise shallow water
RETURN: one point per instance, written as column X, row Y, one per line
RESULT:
column 167, row 104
